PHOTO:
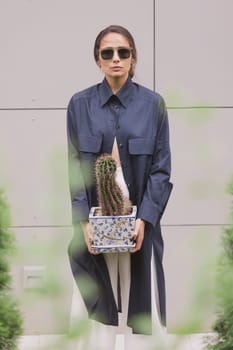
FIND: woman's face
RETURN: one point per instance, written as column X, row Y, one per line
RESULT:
column 115, row 67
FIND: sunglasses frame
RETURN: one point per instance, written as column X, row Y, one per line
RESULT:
column 127, row 50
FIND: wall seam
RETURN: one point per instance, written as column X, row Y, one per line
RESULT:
column 162, row 225
column 65, row 108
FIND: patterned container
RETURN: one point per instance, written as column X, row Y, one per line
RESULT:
column 112, row 234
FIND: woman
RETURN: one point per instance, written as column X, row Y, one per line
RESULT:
column 130, row 122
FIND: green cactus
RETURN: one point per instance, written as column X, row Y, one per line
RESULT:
column 110, row 197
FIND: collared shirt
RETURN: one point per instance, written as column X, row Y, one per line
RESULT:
column 137, row 118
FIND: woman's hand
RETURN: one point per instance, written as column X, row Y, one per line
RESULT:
column 138, row 234
column 86, row 228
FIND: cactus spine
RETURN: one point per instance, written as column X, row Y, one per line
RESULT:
column 110, row 197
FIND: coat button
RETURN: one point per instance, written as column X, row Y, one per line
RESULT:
column 120, row 145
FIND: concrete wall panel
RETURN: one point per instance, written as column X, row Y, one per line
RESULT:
column 193, row 52
column 46, row 310
column 202, row 162
column 47, row 47
column 190, row 266
column 33, row 158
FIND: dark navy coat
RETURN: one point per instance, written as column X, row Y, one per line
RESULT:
column 137, row 117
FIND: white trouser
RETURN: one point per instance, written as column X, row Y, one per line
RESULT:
column 105, row 336
column 97, row 336
column 114, row 262
column 102, row 337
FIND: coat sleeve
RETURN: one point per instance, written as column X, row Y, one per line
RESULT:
column 158, row 187
column 78, row 193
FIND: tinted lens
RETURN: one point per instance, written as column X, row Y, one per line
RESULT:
column 123, row 53
column 107, row 54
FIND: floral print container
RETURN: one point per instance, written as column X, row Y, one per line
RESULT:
column 112, row 234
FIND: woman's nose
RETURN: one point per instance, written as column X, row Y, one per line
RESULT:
column 115, row 56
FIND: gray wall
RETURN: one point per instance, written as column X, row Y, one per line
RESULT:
column 46, row 55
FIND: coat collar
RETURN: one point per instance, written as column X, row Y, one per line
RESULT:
column 124, row 95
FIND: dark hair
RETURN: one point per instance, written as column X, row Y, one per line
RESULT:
column 120, row 30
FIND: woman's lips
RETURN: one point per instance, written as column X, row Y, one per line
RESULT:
column 116, row 68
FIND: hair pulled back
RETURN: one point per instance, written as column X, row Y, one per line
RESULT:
column 119, row 30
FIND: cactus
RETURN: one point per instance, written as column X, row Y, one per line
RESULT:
column 110, row 197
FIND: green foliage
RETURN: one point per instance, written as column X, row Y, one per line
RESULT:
column 6, row 243
column 10, row 318
column 224, row 323
column 10, row 322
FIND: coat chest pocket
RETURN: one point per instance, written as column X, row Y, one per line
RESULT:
column 89, row 146
column 141, row 153
column 141, row 146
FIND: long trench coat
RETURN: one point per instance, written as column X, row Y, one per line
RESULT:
column 137, row 117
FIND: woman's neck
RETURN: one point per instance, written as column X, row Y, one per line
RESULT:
column 116, row 83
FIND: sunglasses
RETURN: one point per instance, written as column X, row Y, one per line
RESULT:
column 123, row 53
